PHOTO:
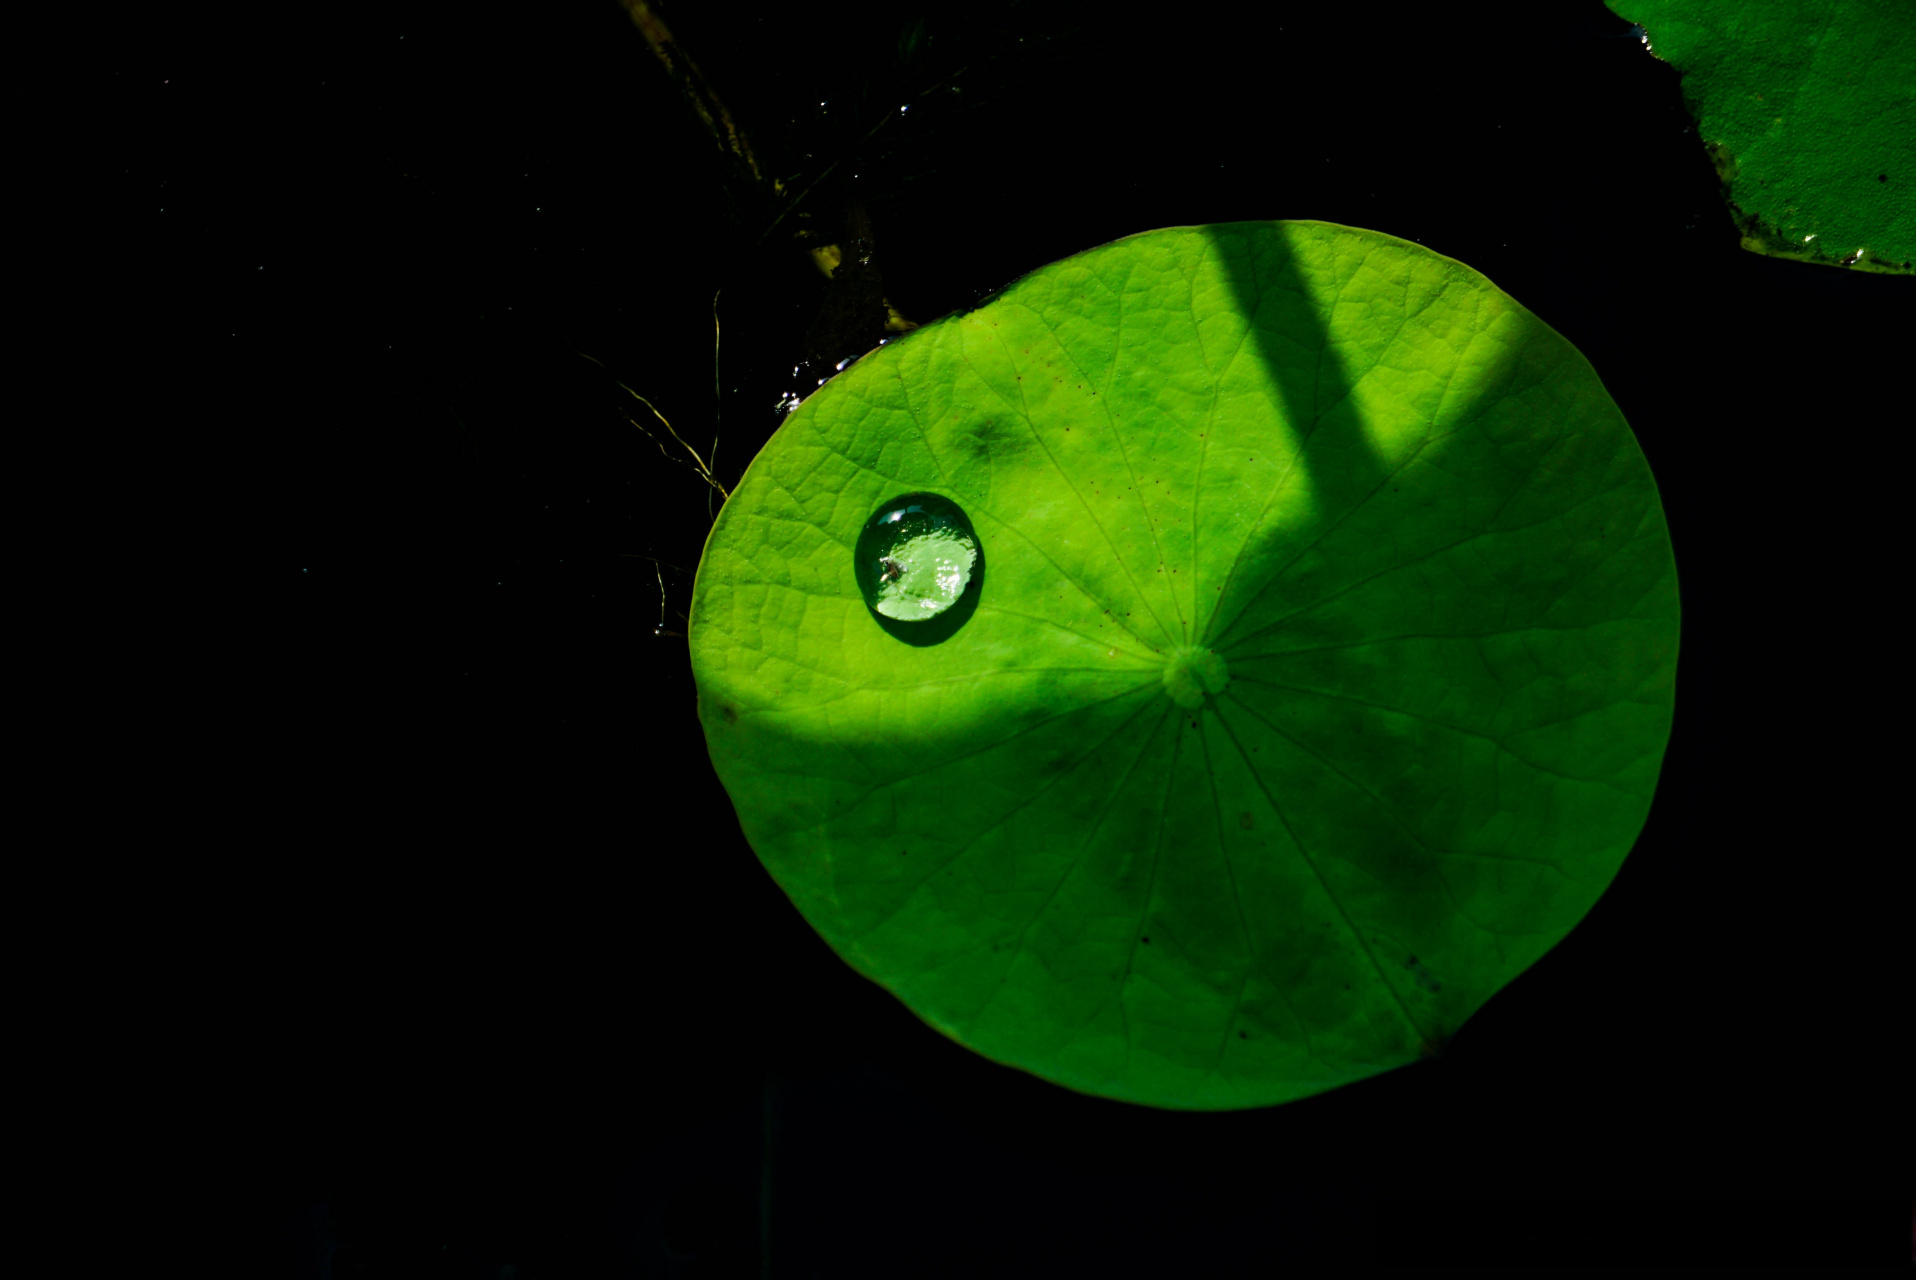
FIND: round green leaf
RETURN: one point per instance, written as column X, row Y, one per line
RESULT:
column 1311, row 682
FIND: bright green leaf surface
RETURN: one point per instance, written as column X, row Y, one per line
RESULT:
column 1317, row 669
column 1809, row 110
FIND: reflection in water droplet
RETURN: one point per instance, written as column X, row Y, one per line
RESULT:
column 914, row 559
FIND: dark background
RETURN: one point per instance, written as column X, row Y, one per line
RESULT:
column 495, row 987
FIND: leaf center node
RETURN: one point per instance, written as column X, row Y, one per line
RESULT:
column 1191, row 672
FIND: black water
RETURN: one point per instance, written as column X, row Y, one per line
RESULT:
column 500, row 986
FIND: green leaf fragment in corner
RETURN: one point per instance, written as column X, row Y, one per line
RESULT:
column 1308, row 679
column 1808, row 109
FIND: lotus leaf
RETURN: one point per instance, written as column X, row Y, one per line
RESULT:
column 1310, row 681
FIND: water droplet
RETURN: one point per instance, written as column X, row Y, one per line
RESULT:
column 915, row 557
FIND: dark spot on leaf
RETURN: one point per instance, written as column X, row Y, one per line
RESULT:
column 1243, row 1035
column 729, row 714
column 1246, row 821
column 1425, row 978
column 1882, row 177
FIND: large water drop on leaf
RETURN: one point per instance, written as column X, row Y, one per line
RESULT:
column 915, row 556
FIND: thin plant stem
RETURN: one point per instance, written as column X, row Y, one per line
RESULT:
column 699, row 463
